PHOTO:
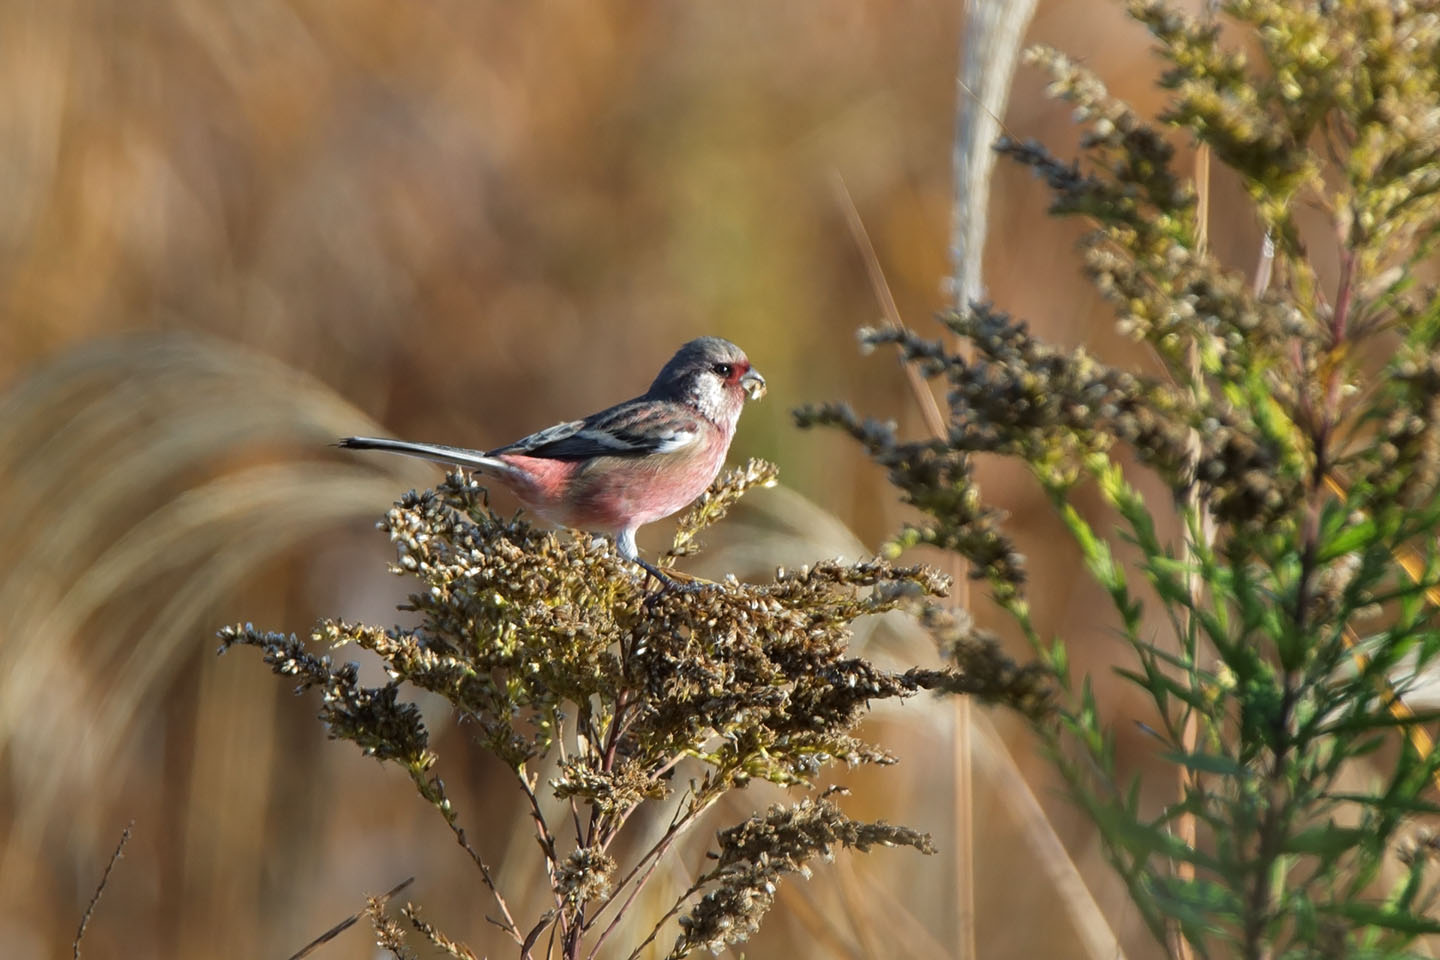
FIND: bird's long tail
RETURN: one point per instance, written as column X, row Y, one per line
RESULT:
column 474, row 459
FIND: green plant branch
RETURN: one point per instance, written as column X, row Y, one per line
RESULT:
column 1301, row 453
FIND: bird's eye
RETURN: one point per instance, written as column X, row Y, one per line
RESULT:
column 724, row 369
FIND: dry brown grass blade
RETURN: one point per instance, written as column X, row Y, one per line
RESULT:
column 994, row 32
column 129, row 533
column 818, row 927
column 924, row 397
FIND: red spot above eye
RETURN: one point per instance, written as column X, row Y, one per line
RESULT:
column 731, row 370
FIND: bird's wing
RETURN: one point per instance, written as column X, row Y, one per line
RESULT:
column 636, row 428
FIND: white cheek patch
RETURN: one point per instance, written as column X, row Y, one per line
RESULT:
column 710, row 394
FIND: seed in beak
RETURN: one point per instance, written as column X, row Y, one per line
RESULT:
column 753, row 383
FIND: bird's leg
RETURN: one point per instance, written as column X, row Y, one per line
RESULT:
column 625, row 544
column 667, row 582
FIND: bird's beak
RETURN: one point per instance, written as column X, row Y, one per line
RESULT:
column 753, row 384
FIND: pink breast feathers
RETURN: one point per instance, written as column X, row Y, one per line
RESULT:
column 615, row 493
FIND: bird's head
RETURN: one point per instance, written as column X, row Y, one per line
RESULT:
column 712, row 375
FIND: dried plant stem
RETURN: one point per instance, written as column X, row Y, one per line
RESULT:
column 1185, row 825
column 350, row 921
column 614, row 830
column 571, row 928
column 100, row 887
column 1202, row 198
column 648, row 862
column 597, row 833
column 1266, row 265
column 679, row 904
column 558, row 720
column 430, row 793
column 545, row 922
column 925, row 400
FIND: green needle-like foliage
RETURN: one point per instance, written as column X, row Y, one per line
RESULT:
column 1296, row 423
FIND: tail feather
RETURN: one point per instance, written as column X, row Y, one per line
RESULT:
column 439, row 453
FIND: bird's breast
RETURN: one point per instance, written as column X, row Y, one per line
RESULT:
column 616, row 493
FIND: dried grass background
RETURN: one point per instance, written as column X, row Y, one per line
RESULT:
column 232, row 232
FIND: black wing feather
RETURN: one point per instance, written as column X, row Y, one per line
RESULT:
column 635, row 428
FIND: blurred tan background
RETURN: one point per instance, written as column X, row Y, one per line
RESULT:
column 221, row 225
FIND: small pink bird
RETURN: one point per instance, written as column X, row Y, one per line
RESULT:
column 628, row 465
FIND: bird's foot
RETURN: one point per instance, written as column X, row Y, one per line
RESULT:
column 673, row 581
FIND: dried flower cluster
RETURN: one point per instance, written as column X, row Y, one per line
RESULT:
column 754, row 856
column 561, row 659
column 1296, row 422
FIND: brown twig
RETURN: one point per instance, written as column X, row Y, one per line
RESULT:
column 547, row 846
column 679, row 904
column 613, row 831
column 100, row 887
column 560, row 743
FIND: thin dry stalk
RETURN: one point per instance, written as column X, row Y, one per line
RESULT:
column 964, row 790
column 648, row 862
column 350, row 921
column 924, row 398
column 508, row 924
column 1185, row 826
column 100, row 888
